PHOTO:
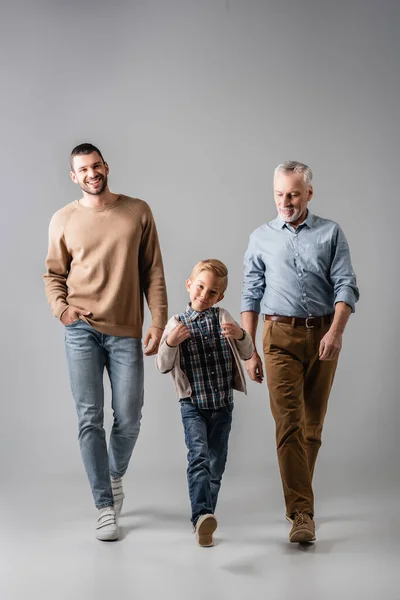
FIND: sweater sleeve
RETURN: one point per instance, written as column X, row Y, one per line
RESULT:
column 152, row 271
column 57, row 264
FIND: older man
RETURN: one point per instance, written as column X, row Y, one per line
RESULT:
column 298, row 274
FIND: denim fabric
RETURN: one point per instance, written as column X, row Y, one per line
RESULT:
column 206, row 436
column 88, row 353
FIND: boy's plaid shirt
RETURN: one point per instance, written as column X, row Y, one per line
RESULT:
column 206, row 359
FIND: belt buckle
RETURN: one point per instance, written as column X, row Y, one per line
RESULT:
column 307, row 325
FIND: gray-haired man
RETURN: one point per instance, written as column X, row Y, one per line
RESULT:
column 298, row 274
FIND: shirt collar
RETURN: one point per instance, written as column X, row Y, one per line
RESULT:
column 279, row 223
column 193, row 314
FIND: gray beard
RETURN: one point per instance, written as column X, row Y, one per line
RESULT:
column 294, row 217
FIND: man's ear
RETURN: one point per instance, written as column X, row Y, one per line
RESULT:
column 310, row 193
column 73, row 176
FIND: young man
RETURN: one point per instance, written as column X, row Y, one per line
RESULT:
column 298, row 273
column 103, row 255
column 202, row 348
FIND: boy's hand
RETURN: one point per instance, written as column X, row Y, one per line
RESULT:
column 178, row 335
column 232, row 331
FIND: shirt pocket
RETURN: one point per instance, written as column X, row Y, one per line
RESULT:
column 316, row 257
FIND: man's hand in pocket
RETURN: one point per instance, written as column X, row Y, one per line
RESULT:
column 72, row 314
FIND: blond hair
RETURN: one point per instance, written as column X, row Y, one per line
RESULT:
column 215, row 266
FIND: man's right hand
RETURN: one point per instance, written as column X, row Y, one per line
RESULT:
column 178, row 335
column 72, row 314
column 254, row 368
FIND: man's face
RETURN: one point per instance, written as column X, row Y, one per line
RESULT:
column 90, row 173
column 291, row 195
column 204, row 290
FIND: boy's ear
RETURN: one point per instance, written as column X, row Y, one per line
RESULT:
column 221, row 297
column 188, row 285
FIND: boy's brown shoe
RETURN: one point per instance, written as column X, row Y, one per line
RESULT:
column 303, row 529
column 205, row 527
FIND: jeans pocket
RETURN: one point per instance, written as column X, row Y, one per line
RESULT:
column 72, row 324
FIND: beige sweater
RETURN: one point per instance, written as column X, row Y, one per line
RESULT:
column 103, row 260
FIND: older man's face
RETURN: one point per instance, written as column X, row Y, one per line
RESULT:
column 291, row 196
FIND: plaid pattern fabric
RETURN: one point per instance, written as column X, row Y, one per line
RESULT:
column 206, row 359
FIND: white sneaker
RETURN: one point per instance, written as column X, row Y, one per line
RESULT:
column 107, row 527
column 118, row 494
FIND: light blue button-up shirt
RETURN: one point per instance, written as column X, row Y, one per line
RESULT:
column 300, row 272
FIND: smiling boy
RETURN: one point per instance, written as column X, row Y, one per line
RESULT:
column 202, row 348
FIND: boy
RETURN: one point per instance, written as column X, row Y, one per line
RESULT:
column 202, row 348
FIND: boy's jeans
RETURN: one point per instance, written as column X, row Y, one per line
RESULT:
column 88, row 352
column 206, row 437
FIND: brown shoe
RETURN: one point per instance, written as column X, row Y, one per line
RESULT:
column 289, row 519
column 303, row 529
column 205, row 527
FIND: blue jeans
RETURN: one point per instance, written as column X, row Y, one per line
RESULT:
column 206, row 437
column 88, row 353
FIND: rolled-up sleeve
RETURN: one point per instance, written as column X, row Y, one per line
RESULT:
column 254, row 279
column 342, row 275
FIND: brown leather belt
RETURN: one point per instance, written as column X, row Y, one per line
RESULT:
column 308, row 322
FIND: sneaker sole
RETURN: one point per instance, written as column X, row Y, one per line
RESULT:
column 302, row 536
column 107, row 537
column 205, row 532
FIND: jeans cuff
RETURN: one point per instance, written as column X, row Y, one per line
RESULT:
column 105, row 504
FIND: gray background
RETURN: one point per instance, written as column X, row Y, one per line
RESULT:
column 193, row 104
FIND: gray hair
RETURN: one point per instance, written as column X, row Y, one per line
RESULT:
column 292, row 166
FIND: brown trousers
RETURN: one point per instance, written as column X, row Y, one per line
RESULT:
column 299, row 385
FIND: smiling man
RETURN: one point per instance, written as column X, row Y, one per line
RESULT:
column 103, row 256
column 298, row 274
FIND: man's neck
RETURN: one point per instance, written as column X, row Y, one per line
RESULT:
column 99, row 201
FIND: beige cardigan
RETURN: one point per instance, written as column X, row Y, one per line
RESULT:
column 168, row 359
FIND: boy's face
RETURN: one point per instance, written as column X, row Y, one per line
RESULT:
column 204, row 290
